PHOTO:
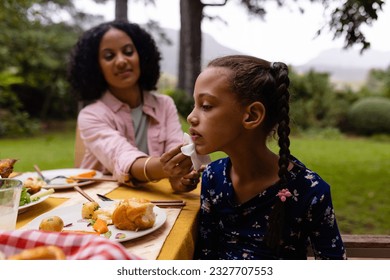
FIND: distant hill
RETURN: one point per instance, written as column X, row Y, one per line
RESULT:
column 347, row 65
column 344, row 66
column 170, row 53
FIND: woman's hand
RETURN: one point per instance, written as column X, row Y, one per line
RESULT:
column 175, row 163
column 186, row 183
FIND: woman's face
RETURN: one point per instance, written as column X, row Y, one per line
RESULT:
column 119, row 60
column 216, row 120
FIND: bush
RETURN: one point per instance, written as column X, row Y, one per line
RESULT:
column 370, row 116
column 14, row 121
column 183, row 101
column 321, row 133
column 17, row 124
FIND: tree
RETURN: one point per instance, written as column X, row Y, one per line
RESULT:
column 190, row 46
column 378, row 83
column 35, row 42
column 346, row 21
column 313, row 96
column 121, row 9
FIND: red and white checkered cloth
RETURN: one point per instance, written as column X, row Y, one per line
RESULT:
column 75, row 246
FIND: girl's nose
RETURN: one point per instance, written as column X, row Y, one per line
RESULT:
column 192, row 119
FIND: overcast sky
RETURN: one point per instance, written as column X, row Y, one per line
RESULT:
column 284, row 35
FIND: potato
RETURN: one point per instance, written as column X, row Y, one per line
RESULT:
column 88, row 209
column 53, row 223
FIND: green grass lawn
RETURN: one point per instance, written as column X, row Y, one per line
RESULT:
column 358, row 171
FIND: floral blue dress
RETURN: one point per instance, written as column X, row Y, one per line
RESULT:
column 232, row 231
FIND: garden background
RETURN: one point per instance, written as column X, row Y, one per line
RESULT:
column 343, row 133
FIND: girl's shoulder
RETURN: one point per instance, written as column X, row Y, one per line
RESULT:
column 216, row 173
column 304, row 179
column 218, row 164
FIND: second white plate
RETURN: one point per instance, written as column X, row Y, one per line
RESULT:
column 60, row 183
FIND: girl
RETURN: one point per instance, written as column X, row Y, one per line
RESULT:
column 256, row 204
column 127, row 125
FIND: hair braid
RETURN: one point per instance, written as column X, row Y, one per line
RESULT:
column 283, row 127
column 277, row 217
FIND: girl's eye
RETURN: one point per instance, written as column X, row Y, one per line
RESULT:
column 206, row 107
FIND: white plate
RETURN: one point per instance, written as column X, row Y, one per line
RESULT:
column 60, row 183
column 72, row 215
column 28, row 205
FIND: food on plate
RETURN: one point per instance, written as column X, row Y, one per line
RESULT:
column 130, row 214
column 89, row 174
column 100, row 226
column 53, row 223
column 49, row 252
column 34, row 184
column 6, row 167
column 88, row 209
column 104, row 214
column 37, row 196
column 134, row 214
column 26, row 198
column 31, row 186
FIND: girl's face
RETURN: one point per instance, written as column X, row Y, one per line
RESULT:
column 119, row 60
column 216, row 120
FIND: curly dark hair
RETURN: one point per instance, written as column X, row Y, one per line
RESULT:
column 84, row 74
column 255, row 79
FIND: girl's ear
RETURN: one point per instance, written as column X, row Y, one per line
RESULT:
column 254, row 115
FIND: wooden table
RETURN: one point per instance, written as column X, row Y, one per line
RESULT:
column 179, row 244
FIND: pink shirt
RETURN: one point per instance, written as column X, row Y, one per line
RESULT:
column 106, row 128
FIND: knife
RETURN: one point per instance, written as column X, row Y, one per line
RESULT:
column 103, row 197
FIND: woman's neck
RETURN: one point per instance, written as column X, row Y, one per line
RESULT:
column 131, row 96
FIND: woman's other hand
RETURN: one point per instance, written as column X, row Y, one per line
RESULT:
column 186, row 183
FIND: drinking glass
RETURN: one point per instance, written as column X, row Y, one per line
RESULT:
column 10, row 190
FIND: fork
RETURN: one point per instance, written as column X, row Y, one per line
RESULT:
column 47, row 181
column 104, row 179
column 38, row 170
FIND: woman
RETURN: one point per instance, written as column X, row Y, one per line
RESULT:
column 126, row 125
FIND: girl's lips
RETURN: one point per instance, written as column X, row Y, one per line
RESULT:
column 194, row 135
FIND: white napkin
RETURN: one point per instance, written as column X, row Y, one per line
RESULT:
column 189, row 150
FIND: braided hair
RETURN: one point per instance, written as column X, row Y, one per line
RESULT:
column 255, row 79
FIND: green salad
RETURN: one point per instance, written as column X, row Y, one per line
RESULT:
column 25, row 197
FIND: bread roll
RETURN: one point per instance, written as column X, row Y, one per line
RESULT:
column 53, row 223
column 134, row 214
column 50, row 252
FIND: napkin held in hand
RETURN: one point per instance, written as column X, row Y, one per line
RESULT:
column 189, row 150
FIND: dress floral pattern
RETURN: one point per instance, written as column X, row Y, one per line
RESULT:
column 236, row 231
